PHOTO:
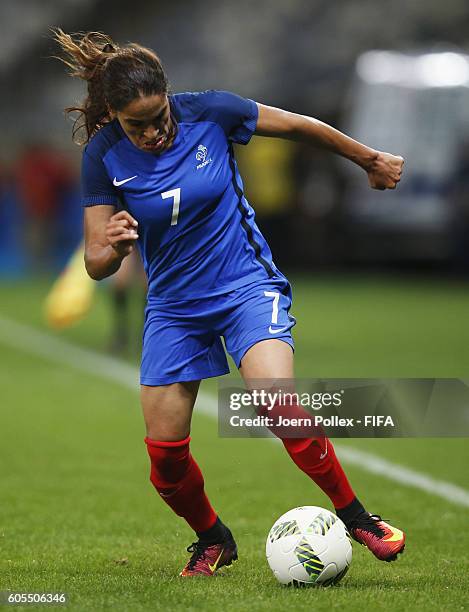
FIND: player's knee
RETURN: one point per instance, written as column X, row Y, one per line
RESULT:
column 167, row 432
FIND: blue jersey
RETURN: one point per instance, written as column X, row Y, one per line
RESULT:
column 197, row 233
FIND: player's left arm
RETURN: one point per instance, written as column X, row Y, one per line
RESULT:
column 383, row 169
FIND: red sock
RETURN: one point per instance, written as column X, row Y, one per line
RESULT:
column 313, row 453
column 317, row 459
column 179, row 481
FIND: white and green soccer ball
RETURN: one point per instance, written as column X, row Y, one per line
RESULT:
column 309, row 546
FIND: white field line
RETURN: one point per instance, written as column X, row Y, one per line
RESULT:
column 56, row 350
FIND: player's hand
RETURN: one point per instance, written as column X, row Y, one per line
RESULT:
column 385, row 171
column 121, row 233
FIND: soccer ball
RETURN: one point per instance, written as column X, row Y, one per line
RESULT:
column 309, row 546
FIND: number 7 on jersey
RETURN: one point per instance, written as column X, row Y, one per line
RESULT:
column 176, row 194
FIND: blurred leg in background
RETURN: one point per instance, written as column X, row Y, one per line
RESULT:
column 124, row 329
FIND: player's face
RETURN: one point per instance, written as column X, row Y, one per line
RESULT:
column 147, row 123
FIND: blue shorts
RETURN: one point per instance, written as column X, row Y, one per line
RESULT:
column 182, row 339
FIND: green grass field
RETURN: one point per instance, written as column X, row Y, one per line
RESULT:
column 78, row 514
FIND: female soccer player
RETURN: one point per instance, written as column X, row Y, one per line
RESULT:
column 166, row 162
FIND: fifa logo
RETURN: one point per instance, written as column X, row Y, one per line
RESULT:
column 201, row 157
column 201, row 154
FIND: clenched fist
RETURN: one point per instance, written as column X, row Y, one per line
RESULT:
column 121, row 233
column 385, row 171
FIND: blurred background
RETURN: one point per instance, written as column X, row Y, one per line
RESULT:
column 397, row 79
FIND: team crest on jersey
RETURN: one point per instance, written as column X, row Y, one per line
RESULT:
column 201, row 156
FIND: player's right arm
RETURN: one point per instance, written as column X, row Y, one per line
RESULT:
column 109, row 237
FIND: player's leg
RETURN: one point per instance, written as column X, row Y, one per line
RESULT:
column 264, row 361
column 179, row 350
column 264, row 311
column 272, row 360
column 167, row 411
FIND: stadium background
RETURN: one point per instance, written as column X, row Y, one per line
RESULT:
column 380, row 289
